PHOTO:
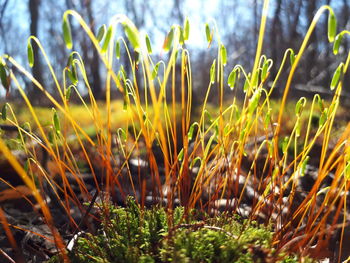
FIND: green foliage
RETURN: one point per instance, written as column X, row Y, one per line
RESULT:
column 332, row 26
column 148, row 44
column 232, row 79
column 133, row 235
column 337, row 76
column 101, row 32
column 3, row 75
column 131, row 33
column 107, row 39
column 4, row 112
column 336, row 43
column 208, row 34
column 117, row 50
column 223, row 54
column 30, row 54
column 212, row 72
column 56, row 122
column 186, row 29
column 169, row 40
column 67, row 33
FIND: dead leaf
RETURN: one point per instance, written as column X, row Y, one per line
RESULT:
column 18, row 192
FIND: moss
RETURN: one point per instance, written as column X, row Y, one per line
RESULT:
column 133, row 235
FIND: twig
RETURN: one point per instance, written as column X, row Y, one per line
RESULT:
column 298, row 238
column 7, row 256
column 87, row 212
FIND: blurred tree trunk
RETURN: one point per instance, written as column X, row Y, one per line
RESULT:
column 256, row 22
column 34, row 93
column 311, row 55
column 2, row 28
column 276, row 37
column 177, row 11
column 94, row 61
column 345, row 19
column 295, row 21
column 328, row 57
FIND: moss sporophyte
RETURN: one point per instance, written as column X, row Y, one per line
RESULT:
column 152, row 178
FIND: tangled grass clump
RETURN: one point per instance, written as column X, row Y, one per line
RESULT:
column 133, row 235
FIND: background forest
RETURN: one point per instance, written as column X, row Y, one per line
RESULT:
column 238, row 22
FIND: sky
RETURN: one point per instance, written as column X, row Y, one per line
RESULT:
column 19, row 9
column 193, row 9
column 198, row 12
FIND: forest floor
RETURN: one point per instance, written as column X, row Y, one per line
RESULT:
column 33, row 236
